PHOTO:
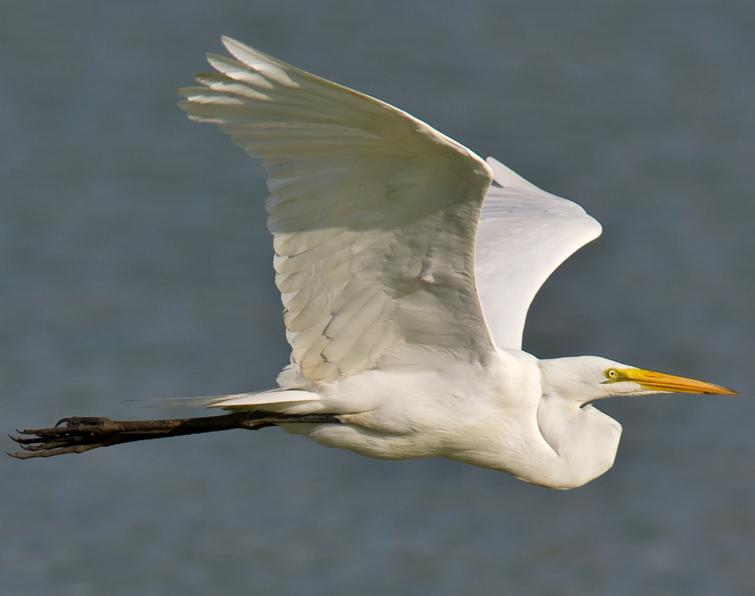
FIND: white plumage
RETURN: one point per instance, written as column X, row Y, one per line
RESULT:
column 406, row 277
column 524, row 234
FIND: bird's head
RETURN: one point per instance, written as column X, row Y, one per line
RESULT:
column 589, row 378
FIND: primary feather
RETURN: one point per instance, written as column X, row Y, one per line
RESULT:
column 373, row 215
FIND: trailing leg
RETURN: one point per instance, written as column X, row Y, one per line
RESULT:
column 80, row 434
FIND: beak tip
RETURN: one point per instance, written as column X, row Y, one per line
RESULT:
column 721, row 390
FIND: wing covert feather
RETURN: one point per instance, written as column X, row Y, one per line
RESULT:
column 373, row 215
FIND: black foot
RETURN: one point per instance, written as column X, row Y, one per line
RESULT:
column 69, row 435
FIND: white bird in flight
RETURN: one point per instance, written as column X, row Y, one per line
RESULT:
column 406, row 266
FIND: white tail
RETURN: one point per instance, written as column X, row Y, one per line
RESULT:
column 274, row 400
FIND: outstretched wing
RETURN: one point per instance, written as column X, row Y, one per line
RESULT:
column 373, row 214
column 524, row 234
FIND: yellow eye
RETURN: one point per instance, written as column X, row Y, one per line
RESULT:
column 612, row 374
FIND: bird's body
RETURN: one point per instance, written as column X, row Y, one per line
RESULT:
column 406, row 266
column 489, row 413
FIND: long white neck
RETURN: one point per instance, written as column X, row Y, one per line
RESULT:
column 545, row 438
column 583, row 439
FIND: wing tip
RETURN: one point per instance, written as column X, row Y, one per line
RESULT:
column 269, row 67
column 231, row 43
column 245, row 53
column 596, row 225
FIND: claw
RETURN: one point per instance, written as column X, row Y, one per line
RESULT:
column 55, row 451
column 32, row 431
column 24, row 440
column 34, row 447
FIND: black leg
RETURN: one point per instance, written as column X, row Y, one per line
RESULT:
column 80, row 434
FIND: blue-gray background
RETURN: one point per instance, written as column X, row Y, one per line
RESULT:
column 136, row 264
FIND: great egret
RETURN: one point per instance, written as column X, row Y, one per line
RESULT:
column 406, row 265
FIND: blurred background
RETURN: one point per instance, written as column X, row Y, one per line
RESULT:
column 137, row 265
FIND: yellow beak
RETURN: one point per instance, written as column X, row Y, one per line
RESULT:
column 656, row 381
